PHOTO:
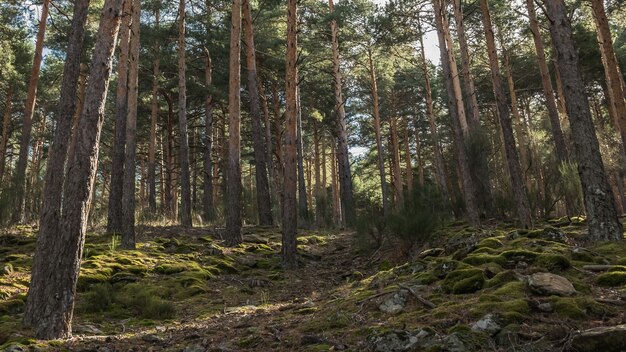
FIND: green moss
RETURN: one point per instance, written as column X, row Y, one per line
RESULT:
column 170, row 268
column 464, row 281
column 553, row 262
column 11, row 306
column 225, row 264
column 98, row 299
column 567, row 307
column 490, row 243
column 501, row 279
column 515, row 289
column 426, row 278
column 482, row 258
column 612, row 279
column 90, row 277
column 510, row 310
column 518, row 255
column 583, row 256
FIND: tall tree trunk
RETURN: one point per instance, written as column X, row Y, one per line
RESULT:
column 128, row 193
column 49, row 222
column 345, row 177
column 319, row 196
column 208, row 207
column 467, row 184
column 27, row 126
column 6, row 125
column 233, row 213
column 53, row 286
column 379, row 141
column 408, row 162
column 154, row 117
column 279, row 165
column 335, row 185
column 258, row 135
column 185, row 177
column 601, row 210
column 116, row 189
column 440, row 172
column 612, row 72
column 303, row 206
column 515, row 173
column 395, row 163
column 290, row 217
column 168, row 156
column 268, row 147
column 468, row 80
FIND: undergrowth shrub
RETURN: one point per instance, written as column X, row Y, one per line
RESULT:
column 99, row 298
column 152, row 307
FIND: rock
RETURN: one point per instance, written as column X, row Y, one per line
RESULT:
column 195, row 348
column 86, row 330
column 441, row 270
column 397, row 341
column 152, row 338
column 605, row 339
column 550, row 284
column 14, row 348
column 545, row 307
column 453, row 343
column 487, row 324
column 395, row 302
column 432, row 252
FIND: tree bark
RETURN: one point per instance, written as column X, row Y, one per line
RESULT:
column 601, row 211
column 408, row 162
column 208, row 207
column 116, row 189
column 49, row 226
column 27, row 126
column 128, row 193
column 154, row 117
column 467, row 185
column 233, row 213
column 345, row 177
column 504, row 115
column 303, row 205
column 6, row 125
column 440, row 172
column 468, row 79
column 53, row 287
column 612, row 72
column 395, row 162
column 290, row 217
column 379, row 141
column 185, row 177
column 258, row 135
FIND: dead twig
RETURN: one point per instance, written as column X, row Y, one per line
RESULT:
column 423, row 300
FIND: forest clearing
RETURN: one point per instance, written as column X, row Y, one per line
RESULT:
column 312, row 175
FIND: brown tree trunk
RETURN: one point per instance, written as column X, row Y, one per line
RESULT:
column 6, row 125
column 233, row 213
column 278, row 146
column 116, row 189
column 379, row 142
column 128, row 193
column 601, row 211
column 154, row 117
column 395, row 163
column 290, row 217
column 258, row 135
column 49, row 226
column 185, row 177
column 168, row 156
column 515, row 173
column 27, row 126
column 268, row 147
column 468, row 80
column 345, row 177
column 303, row 205
column 612, row 72
column 53, row 285
column 467, row 184
column 208, row 207
column 319, row 187
column 335, row 185
column 408, row 162
column 440, row 172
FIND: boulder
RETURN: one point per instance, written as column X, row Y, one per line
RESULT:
column 86, row 330
column 394, row 303
column 397, row 341
column 550, row 284
column 487, row 324
column 605, row 339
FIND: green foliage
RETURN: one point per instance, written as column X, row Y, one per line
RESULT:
column 98, row 299
column 612, row 279
column 464, row 281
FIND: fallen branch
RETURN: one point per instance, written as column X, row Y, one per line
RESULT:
column 423, row 300
column 598, row 268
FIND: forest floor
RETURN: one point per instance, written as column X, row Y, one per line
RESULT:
column 468, row 290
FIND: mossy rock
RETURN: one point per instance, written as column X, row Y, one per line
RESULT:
column 612, row 279
column 514, row 289
column 483, row 258
column 174, row 268
column 511, row 311
column 464, row 281
column 490, row 242
column 520, row 255
column 567, row 308
column 501, row 279
column 259, row 248
column 225, row 264
column 582, row 255
column 91, row 277
column 553, row 262
column 12, row 306
column 444, row 267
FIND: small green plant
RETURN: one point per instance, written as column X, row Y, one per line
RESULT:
column 265, row 297
column 152, row 307
column 99, row 298
column 115, row 242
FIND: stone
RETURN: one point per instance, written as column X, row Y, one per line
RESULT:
column 86, row 330
column 605, row 339
column 397, row 341
column 394, row 303
column 545, row 307
column 152, row 338
column 550, row 284
column 487, row 324
column 195, row 348
column 453, row 343
column 14, row 348
column 432, row 252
